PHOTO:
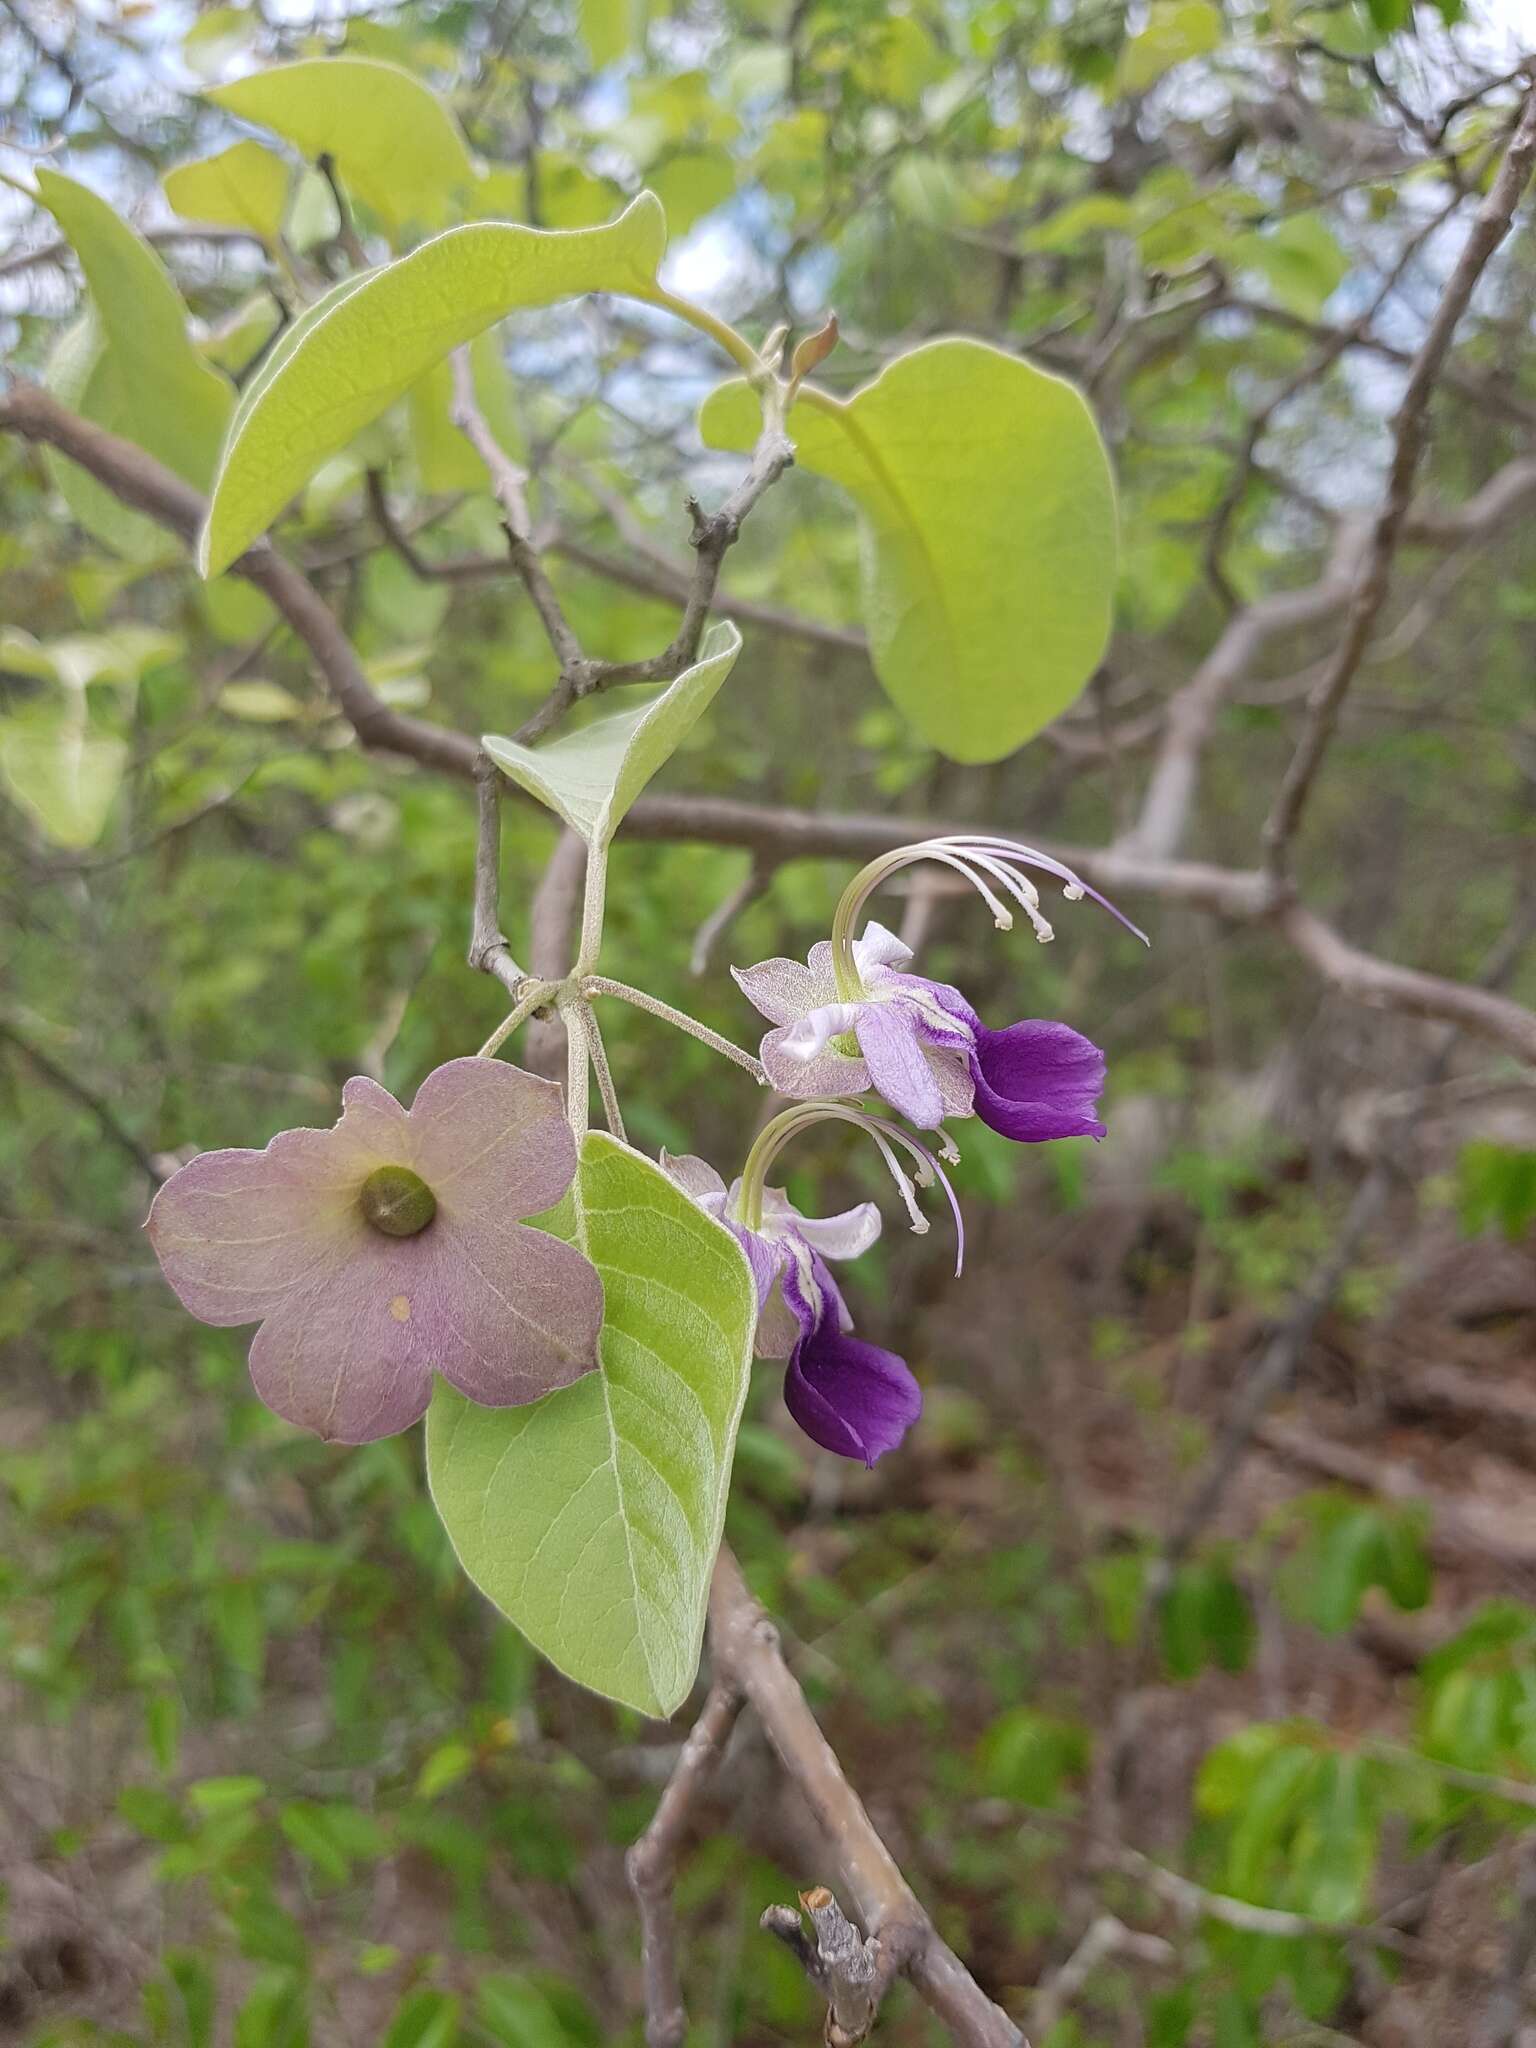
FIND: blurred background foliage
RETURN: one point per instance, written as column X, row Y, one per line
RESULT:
column 273, row 1774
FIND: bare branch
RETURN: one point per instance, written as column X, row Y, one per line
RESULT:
column 507, row 484
column 489, row 952
column 66, row 1083
column 556, row 903
column 653, row 1860
column 780, row 833
column 1492, row 224
column 851, row 1970
column 745, row 1647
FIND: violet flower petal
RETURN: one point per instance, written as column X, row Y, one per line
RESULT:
column 887, row 1035
column 851, row 1397
column 1038, row 1080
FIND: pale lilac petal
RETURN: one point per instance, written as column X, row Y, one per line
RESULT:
column 784, row 990
column 888, row 1039
column 1038, row 1080
column 845, row 1236
column 355, row 1323
column 237, row 1231
column 372, row 1128
column 851, row 1397
column 829, row 1074
column 815, row 1031
column 696, row 1177
column 336, row 1357
column 485, row 1135
column 510, row 1313
column 879, row 948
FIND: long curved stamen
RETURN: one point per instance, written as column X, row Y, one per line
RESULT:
column 789, row 1123
column 1076, row 887
column 974, row 855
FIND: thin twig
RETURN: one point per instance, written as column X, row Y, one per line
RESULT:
column 776, row 831
column 489, row 952
column 607, row 1093
column 79, row 1091
column 1410, row 431
column 745, row 1648
column 653, row 1860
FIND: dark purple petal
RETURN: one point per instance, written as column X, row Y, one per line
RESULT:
column 888, row 1038
column 1038, row 1080
column 848, row 1396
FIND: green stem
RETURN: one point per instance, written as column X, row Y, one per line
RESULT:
column 534, row 994
column 577, row 1059
column 601, row 985
column 766, row 1147
column 593, row 905
column 736, row 346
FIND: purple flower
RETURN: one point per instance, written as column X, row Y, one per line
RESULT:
column 849, row 1397
column 389, row 1248
column 893, row 1035
column 852, row 1018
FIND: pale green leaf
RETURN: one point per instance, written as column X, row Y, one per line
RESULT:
column 592, row 1518
column 1301, row 260
column 1176, row 30
column 62, row 776
column 76, row 376
column 75, row 660
column 127, row 365
column 259, row 702
column 148, row 377
column 245, row 186
column 612, row 29
column 444, row 459
column 567, row 194
column 394, row 145
column 692, row 183
column 989, row 557
column 591, row 776
column 374, row 336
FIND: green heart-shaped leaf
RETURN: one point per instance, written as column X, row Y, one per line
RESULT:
column 592, row 1517
column 394, row 144
column 989, row 509
column 244, row 186
column 62, row 776
column 129, row 365
column 372, row 337
column 590, row 777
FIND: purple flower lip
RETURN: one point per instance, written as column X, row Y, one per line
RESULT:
column 852, row 1398
column 389, row 1248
